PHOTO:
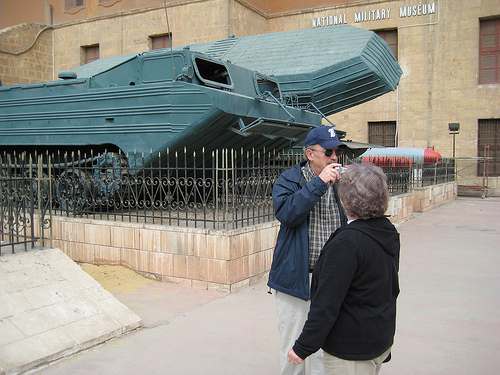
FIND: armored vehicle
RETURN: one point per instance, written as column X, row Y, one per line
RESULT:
column 255, row 92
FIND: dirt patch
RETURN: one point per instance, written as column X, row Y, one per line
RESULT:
column 117, row 279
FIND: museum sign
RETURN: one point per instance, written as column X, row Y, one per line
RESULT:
column 376, row 15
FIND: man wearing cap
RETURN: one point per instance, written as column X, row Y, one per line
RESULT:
column 309, row 211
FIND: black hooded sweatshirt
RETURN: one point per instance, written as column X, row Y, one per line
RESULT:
column 353, row 293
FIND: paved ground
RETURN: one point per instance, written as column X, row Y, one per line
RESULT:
column 448, row 311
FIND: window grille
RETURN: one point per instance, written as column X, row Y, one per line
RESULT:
column 70, row 4
column 91, row 53
column 489, row 135
column 161, row 41
column 489, row 51
column 382, row 133
column 391, row 38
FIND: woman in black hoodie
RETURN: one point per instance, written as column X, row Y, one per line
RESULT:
column 355, row 282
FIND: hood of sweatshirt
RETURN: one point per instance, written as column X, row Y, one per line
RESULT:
column 381, row 230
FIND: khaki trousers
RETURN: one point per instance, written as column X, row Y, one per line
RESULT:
column 338, row 366
column 292, row 314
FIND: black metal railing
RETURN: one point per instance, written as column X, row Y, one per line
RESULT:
column 25, row 201
column 223, row 189
column 403, row 174
column 434, row 174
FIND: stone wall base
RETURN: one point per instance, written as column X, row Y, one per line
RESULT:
column 429, row 197
column 201, row 258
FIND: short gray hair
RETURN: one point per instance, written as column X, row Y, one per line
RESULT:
column 363, row 191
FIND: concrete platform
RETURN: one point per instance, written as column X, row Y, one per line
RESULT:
column 50, row 308
column 448, row 311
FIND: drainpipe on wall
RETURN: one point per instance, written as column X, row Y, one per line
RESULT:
column 397, row 116
column 51, row 12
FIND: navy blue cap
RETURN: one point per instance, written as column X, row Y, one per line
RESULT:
column 325, row 136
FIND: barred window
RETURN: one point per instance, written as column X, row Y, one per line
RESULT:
column 70, row 4
column 489, row 51
column 489, row 144
column 90, row 53
column 161, row 41
column 382, row 133
column 391, row 38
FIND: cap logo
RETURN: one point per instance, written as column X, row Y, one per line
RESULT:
column 332, row 133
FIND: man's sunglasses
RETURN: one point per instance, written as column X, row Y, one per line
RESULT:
column 329, row 152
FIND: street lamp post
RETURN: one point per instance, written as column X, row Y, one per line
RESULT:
column 454, row 128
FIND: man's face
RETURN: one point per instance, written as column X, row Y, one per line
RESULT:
column 318, row 159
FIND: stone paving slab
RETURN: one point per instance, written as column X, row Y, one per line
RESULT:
column 50, row 308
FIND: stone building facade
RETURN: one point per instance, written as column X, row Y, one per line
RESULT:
column 26, row 54
column 438, row 46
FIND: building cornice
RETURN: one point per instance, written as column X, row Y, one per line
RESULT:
column 266, row 15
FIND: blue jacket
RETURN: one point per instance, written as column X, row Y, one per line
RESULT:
column 293, row 199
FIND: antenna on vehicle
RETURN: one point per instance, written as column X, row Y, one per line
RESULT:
column 170, row 37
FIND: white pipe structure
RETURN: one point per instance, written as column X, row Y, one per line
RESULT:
column 416, row 154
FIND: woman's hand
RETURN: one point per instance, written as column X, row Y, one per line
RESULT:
column 294, row 358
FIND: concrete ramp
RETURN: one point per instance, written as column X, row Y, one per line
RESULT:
column 50, row 308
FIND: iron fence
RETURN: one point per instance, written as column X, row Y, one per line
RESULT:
column 442, row 172
column 223, row 189
column 403, row 174
column 24, row 196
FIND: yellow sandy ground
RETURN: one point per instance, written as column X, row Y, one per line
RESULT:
column 117, row 278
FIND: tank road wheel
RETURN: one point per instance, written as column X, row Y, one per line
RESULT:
column 73, row 190
column 109, row 173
